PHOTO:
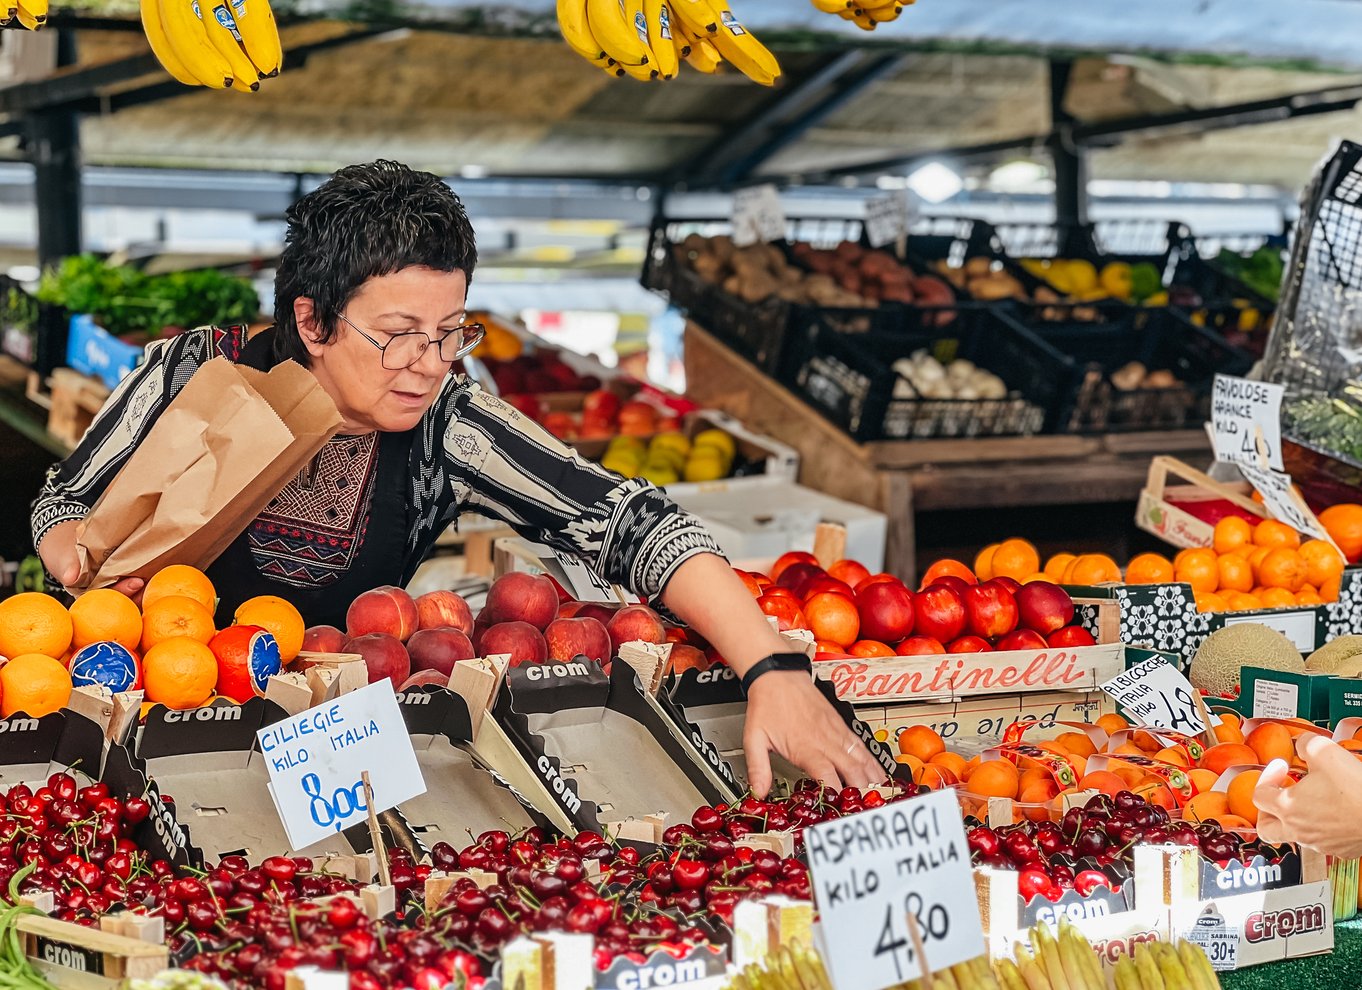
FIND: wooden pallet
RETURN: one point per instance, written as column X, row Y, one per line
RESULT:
column 80, row 958
column 72, row 401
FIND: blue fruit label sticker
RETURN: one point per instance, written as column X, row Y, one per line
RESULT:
column 224, row 17
column 664, row 22
column 731, row 22
column 239, row 8
column 641, row 26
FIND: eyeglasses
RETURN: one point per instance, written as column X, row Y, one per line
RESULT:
column 404, row 349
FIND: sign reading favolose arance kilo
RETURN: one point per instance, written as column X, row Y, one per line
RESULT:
column 872, row 870
column 316, row 760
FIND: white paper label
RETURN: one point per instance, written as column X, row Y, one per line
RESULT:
column 1213, row 935
column 1298, row 626
column 1273, row 699
column 1155, row 694
column 316, row 759
column 757, row 215
column 1282, row 503
column 872, row 870
column 1246, row 419
column 886, row 220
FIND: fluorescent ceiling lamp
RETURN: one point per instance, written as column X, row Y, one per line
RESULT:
column 1017, row 176
column 935, row 182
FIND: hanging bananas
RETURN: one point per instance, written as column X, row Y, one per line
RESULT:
column 221, row 44
column 31, row 14
column 649, row 39
column 867, row 14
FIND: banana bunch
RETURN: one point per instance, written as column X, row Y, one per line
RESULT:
column 31, row 14
column 868, row 14
column 221, row 44
column 1160, row 966
column 649, row 39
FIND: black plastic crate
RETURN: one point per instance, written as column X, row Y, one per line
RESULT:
column 1159, row 338
column 31, row 332
column 850, row 379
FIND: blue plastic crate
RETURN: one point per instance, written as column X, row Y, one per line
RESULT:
column 92, row 350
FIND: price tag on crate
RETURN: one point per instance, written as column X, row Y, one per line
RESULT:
column 757, row 215
column 1156, row 695
column 316, row 759
column 1283, row 502
column 886, row 219
column 1246, row 421
column 872, row 870
column 1216, row 938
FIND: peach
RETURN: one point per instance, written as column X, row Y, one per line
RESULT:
column 636, row 624
column 1045, row 607
column 797, row 576
column 568, row 639
column 521, row 640
column 687, row 658
column 940, row 613
column 1022, row 639
column 384, row 656
column 422, row 677
column 991, row 610
column 438, row 609
column 323, row 639
column 384, row 610
column 886, row 611
column 522, row 597
column 1070, row 637
column 439, row 649
column 595, row 610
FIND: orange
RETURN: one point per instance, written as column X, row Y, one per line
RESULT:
column 1322, row 563
column 169, row 618
column 1329, row 592
column 953, row 762
column 1056, row 565
column 1255, row 558
column 181, row 581
column 1344, row 524
column 1282, row 568
column 105, row 615
column 1239, row 602
column 1278, row 598
column 1038, row 576
column 179, row 672
column 34, row 684
column 1200, row 569
column 1224, row 755
column 1308, row 596
column 1209, row 601
column 1202, row 780
column 286, row 624
column 1033, row 775
column 865, row 648
column 996, row 778
column 1077, row 743
column 1271, row 742
column 1207, row 806
column 948, row 568
column 1240, row 794
column 1236, row 574
column 1093, row 568
column 31, row 622
column 1104, row 781
column 921, row 741
column 1275, row 534
column 983, row 563
column 1232, row 533
column 1149, row 568
column 1015, row 559
column 1112, row 723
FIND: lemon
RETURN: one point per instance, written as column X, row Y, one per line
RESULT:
column 1116, row 278
column 672, row 440
column 1082, row 276
column 659, row 474
column 705, row 465
column 718, row 439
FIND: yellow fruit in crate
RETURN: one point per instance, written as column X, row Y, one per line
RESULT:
column 1157, row 299
column 659, row 473
column 1117, row 280
column 718, row 439
column 1039, row 267
column 706, row 465
column 621, row 464
column 1082, row 276
column 499, row 344
column 673, row 440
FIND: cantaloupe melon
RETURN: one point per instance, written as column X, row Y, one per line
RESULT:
column 1216, row 666
column 1329, row 657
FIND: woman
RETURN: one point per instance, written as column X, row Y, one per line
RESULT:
column 1322, row 811
column 370, row 296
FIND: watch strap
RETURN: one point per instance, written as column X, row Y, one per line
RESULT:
column 776, row 661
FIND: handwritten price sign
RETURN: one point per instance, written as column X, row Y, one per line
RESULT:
column 1246, row 421
column 1157, row 696
column 316, row 759
column 757, row 215
column 871, row 871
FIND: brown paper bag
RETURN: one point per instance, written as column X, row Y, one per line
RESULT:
column 225, row 446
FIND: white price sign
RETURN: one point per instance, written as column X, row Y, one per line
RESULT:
column 316, row 761
column 1215, row 937
column 873, row 870
column 1282, row 502
column 757, row 215
column 1246, row 421
column 886, row 220
column 1156, row 695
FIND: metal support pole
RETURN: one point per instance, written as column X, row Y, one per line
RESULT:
column 54, row 150
column 1071, row 169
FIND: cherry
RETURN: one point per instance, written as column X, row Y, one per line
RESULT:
column 1020, row 848
column 1033, row 881
column 691, row 874
column 135, row 810
column 280, row 869
column 1089, row 880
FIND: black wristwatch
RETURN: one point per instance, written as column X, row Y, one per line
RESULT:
column 776, row 661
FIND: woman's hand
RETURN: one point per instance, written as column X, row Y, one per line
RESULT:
column 58, row 553
column 788, row 714
column 1323, row 810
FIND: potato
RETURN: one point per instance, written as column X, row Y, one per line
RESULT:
column 978, row 266
column 1129, row 377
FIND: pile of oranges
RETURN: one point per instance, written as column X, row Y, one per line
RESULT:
column 1037, row 795
column 179, row 657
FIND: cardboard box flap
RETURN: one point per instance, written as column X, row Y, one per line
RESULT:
column 694, row 688
column 222, row 726
column 30, row 741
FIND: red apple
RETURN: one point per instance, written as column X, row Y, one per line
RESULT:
column 940, row 613
column 635, row 624
column 991, row 609
column 1071, row 636
column 601, row 403
column 384, row 656
column 878, row 579
column 1021, row 639
column 786, row 612
column 850, row 571
column 323, row 639
column 522, row 597
column 568, row 639
column 951, row 581
column 920, row 646
column 439, row 609
column 797, row 577
column 791, row 557
column 1045, row 607
column 886, row 612
column 439, row 649
column 819, row 585
column 383, row 610
column 521, row 640
column 969, row 644
column 423, row 677
column 1006, row 583
column 688, row 658
column 776, row 591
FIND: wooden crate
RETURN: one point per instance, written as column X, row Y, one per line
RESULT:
column 72, row 401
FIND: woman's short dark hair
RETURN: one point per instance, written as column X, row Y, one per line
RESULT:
column 365, row 221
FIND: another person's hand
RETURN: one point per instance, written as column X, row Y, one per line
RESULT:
column 58, row 553
column 1323, row 810
column 788, row 714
